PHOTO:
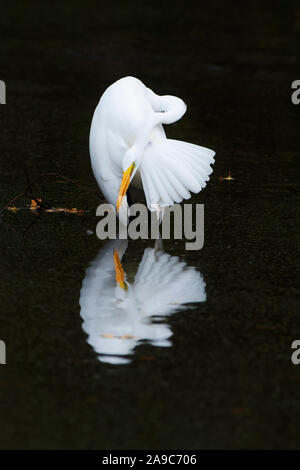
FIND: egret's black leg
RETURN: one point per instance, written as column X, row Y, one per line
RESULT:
column 133, row 196
column 129, row 198
column 130, row 203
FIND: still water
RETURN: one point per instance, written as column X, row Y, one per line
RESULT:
column 195, row 351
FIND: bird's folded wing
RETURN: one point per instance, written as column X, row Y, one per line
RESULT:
column 172, row 169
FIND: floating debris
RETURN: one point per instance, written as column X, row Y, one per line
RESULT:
column 13, row 209
column 226, row 178
column 36, row 207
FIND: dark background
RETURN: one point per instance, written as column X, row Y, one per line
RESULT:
column 228, row 380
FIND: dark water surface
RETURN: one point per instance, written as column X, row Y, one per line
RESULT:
column 218, row 375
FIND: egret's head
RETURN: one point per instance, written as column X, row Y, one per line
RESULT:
column 130, row 164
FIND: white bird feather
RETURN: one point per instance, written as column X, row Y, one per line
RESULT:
column 127, row 127
column 116, row 320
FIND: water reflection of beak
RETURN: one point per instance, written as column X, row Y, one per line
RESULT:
column 124, row 184
column 120, row 274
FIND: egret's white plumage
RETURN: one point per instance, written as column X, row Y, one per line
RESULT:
column 128, row 144
column 116, row 319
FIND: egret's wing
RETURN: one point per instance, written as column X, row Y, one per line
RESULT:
column 164, row 284
column 171, row 169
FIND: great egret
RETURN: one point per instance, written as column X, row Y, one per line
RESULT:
column 117, row 313
column 128, row 143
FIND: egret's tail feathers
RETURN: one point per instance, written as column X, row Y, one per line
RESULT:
column 172, row 169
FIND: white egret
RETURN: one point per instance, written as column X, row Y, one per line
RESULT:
column 117, row 313
column 128, row 144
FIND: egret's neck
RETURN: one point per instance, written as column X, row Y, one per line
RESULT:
column 173, row 109
column 144, row 135
column 168, row 108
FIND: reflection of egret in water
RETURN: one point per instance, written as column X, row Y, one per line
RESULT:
column 118, row 315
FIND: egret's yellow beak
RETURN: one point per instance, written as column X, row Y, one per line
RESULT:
column 120, row 275
column 124, row 185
